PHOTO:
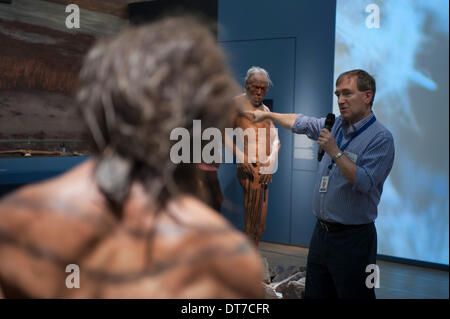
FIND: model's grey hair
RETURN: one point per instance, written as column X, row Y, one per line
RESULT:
column 255, row 70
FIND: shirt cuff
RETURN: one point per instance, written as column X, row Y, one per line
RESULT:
column 297, row 127
column 363, row 183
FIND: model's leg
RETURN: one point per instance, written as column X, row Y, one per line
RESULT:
column 256, row 211
column 251, row 210
column 245, row 182
column 263, row 199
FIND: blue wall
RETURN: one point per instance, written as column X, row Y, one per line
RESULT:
column 294, row 40
column 16, row 172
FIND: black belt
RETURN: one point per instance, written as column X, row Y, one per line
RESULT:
column 334, row 227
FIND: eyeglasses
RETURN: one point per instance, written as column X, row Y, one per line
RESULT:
column 256, row 87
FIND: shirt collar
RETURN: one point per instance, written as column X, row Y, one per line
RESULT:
column 357, row 125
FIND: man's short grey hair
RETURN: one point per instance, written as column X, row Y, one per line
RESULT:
column 255, row 70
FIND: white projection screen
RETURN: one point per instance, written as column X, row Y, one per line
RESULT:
column 404, row 45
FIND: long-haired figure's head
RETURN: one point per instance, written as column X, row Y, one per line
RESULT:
column 140, row 85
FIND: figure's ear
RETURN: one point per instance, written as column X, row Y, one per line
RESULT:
column 368, row 95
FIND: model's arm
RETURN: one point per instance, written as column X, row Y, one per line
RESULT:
column 285, row 120
column 241, row 156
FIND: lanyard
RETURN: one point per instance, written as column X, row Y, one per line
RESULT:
column 354, row 134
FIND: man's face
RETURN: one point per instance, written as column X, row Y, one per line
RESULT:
column 256, row 87
column 353, row 104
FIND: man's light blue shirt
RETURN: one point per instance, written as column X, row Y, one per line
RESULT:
column 372, row 151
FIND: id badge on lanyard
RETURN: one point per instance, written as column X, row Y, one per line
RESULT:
column 324, row 184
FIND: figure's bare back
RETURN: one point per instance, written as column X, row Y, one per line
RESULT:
column 185, row 251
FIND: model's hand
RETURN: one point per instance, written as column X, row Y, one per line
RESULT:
column 257, row 116
column 267, row 167
column 265, row 178
column 327, row 142
column 248, row 169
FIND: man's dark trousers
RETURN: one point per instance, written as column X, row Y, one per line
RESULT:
column 337, row 261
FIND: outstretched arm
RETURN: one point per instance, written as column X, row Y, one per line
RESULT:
column 271, row 168
column 285, row 120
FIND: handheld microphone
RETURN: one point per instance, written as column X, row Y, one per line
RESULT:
column 329, row 122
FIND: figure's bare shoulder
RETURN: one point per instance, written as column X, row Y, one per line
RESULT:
column 232, row 266
column 189, row 251
column 185, row 251
column 53, row 210
column 240, row 99
column 43, row 228
column 243, row 103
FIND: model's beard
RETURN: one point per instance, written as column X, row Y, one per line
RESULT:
column 256, row 104
column 252, row 101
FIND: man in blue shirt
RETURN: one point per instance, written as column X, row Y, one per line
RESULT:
column 359, row 156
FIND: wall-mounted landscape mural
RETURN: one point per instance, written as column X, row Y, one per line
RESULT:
column 40, row 59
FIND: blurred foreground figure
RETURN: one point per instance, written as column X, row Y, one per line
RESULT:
column 128, row 217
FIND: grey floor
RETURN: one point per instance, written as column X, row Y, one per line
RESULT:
column 397, row 281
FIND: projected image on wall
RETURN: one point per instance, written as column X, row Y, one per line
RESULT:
column 405, row 45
